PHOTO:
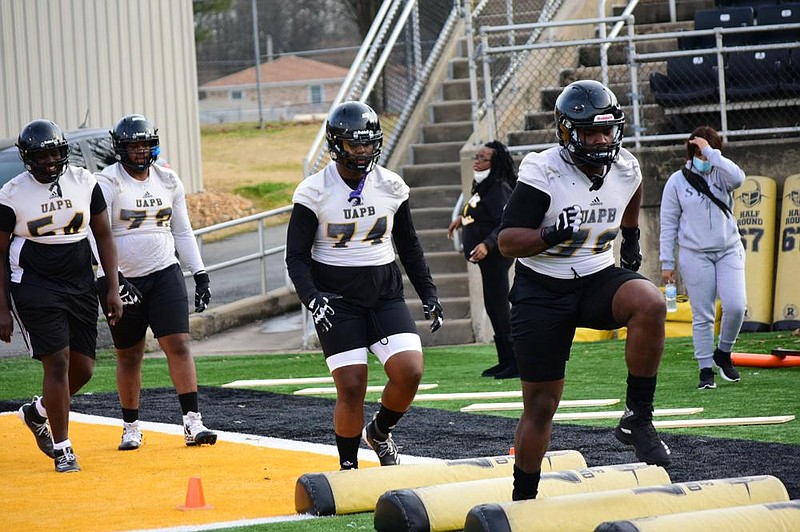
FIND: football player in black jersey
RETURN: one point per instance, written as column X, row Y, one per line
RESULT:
column 341, row 259
column 569, row 204
column 48, row 210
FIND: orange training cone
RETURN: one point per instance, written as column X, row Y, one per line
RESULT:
column 194, row 496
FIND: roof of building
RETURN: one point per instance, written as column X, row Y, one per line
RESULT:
column 286, row 68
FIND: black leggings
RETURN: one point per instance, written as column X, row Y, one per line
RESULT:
column 494, row 274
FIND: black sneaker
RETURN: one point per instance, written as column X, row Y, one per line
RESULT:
column 706, row 379
column 65, row 461
column 491, row 372
column 726, row 369
column 28, row 414
column 637, row 430
column 385, row 449
column 509, row 372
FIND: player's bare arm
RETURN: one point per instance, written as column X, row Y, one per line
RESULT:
column 107, row 249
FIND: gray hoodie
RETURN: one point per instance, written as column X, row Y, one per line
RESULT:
column 693, row 220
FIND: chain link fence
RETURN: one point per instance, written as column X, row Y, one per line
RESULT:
column 670, row 73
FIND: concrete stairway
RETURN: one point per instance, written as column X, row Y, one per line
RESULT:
column 652, row 16
column 434, row 176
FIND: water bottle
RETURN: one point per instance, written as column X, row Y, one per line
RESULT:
column 671, row 295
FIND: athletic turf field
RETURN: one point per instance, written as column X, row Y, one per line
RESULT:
column 434, row 429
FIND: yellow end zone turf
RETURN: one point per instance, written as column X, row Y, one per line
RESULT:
column 241, row 477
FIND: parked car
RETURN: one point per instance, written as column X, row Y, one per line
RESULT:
column 90, row 148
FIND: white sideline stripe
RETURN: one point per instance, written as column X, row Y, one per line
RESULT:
column 278, row 382
column 576, row 403
column 723, row 421
column 232, row 524
column 574, row 416
column 322, row 391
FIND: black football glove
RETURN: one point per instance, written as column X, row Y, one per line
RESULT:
column 128, row 293
column 320, row 309
column 202, row 291
column 569, row 221
column 434, row 312
column 630, row 254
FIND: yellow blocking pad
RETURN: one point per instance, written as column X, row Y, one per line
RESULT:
column 754, row 205
column 783, row 516
column 587, row 510
column 774, row 516
column 445, row 506
column 141, row 489
column 347, row 492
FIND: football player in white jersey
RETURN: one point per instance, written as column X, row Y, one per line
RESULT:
column 568, row 206
column 340, row 257
column 48, row 211
column 150, row 223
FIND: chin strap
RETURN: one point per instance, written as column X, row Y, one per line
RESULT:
column 355, row 198
column 55, row 185
column 598, row 180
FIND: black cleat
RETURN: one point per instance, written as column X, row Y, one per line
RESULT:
column 384, row 448
column 66, row 462
column 28, row 414
column 637, row 430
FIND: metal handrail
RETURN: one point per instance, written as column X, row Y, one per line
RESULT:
column 262, row 253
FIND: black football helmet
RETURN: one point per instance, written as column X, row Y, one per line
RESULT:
column 36, row 138
column 584, row 104
column 130, row 129
column 356, row 123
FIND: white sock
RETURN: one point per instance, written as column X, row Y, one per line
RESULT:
column 60, row 446
column 40, row 408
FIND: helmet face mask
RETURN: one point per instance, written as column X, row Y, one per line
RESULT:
column 136, row 143
column 585, row 105
column 355, row 124
column 44, row 150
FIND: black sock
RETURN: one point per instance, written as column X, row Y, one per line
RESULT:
column 386, row 420
column 641, row 391
column 526, row 485
column 129, row 415
column 348, row 451
column 188, row 402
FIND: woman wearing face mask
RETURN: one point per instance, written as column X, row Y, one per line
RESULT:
column 493, row 179
column 696, row 211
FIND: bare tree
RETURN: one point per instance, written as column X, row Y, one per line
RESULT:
column 362, row 12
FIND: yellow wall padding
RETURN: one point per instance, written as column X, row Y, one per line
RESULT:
column 786, row 313
column 774, row 516
column 346, row 492
column 754, row 204
column 583, row 334
column 445, row 506
column 572, row 513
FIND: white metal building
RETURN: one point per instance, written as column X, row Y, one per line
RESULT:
column 90, row 62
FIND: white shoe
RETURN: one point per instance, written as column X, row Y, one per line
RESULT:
column 131, row 436
column 195, row 433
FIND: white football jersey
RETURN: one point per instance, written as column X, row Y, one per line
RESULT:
column 347, row 234
column 149, row 220
column 590, row 249
column 42, row 214
column 46, row 213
